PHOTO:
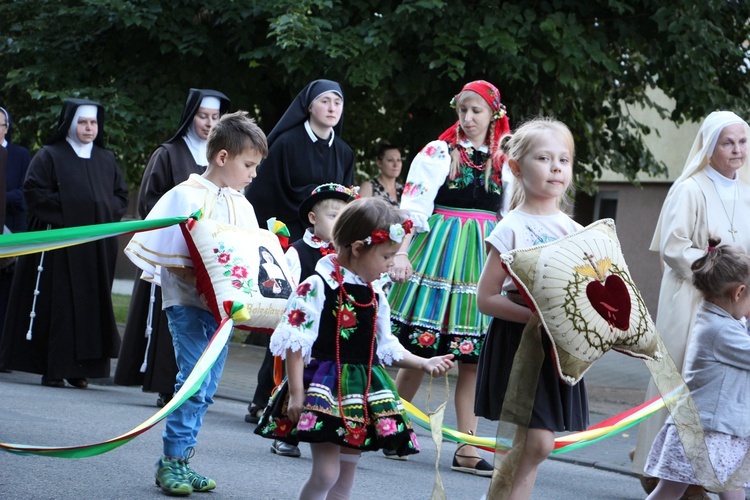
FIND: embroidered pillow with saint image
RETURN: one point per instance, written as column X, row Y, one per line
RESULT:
column 586, row 299
column 241, row 272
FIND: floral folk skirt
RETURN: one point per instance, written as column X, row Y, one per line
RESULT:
column 322, row 420
column 435, row 312
column 667, row 459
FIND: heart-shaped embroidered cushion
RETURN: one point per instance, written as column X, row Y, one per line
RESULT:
column 235, row 265
column 586, row 299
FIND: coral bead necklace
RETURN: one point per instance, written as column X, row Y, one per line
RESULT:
column 464, row 156
column 356, row 435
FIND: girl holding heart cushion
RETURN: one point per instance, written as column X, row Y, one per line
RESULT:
column 540, row 155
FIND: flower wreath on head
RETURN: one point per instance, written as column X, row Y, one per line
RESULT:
column 395, row 233
column 351, row 191
column 498, row 108
column 499, row 126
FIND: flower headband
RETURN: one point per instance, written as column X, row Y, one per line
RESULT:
column 395, row 233
column 352, row 191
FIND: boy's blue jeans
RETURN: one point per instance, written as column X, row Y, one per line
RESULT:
column 191, row 329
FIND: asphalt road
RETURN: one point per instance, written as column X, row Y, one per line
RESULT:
column 239, row 461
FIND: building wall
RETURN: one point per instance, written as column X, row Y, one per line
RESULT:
column 635, row 218
column 638, row 207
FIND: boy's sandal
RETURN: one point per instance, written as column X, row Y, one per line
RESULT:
column 480, row 468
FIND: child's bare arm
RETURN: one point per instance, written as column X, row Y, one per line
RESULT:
column 295, row 365
column 436, row 365
column 490, row 299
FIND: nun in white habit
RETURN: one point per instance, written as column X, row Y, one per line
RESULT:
column 711, row 198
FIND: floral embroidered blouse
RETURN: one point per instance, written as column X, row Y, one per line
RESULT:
column 428, row 183
column 299, row 326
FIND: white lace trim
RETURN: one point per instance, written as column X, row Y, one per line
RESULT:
column 390, row 354
column 283, row 341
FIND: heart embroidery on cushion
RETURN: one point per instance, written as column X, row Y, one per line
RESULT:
column 610, row 296
column 611, row 300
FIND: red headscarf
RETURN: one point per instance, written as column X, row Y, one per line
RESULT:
column 499, row 127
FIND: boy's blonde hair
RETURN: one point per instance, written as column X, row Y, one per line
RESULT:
column 518, row 144
column 234, row 133
column 359, row 218
column 328, row 203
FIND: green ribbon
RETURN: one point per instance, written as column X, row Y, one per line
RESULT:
column 15, row 244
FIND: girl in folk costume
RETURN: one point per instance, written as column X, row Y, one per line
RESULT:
column 147, row 354
column 540, row 155
column 335, row 335
column 711, row 197
column 320, row 210
column 717, row 372
column 71, row 181
column 454, row 193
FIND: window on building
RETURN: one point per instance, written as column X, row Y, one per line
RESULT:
column 605, row 206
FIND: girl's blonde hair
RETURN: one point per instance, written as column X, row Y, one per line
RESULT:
column 358, row 219
column 517, row 145
column 721, row 270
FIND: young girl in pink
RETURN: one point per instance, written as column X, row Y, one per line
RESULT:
column 335, row 336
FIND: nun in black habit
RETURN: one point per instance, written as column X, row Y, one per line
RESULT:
column 18, row 164
column 299, row 160
column 305, row 150
column 72, row 181
column 147, row 354
column 12, row 206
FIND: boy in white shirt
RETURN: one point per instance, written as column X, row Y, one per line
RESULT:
column 236, row 145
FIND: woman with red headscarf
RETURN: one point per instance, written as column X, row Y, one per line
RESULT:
column 454, row 195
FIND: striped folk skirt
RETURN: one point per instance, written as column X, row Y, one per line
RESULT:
column 435, row 312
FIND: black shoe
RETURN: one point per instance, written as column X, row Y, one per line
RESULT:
column 163, row 399
column 393, row 455
column 253, row 414
column 285, row 449
column 78, row 383
column 479, row 468
column 49, row 382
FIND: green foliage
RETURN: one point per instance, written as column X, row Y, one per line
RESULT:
column 120, row 305
column 587, row 62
